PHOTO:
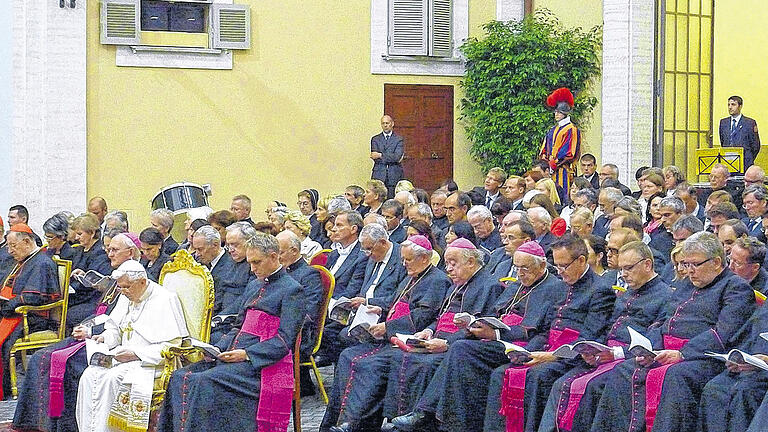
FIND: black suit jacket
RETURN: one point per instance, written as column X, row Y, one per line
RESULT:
column 349, row 277
column 594, row 181
column 399, row 234
column 390, row 279
column 387, row 168
column 746, row 136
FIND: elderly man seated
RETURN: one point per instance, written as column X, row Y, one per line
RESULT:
column 251, row 382
column 124, row 359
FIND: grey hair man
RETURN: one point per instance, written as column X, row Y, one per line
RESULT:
column 206, row 246
column 481, row 220
column 542, row 223
column 755, row 199
column 337, row 205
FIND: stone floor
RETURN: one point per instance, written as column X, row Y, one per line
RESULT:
column 312, row 407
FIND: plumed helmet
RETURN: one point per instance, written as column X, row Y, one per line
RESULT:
column 561, row 100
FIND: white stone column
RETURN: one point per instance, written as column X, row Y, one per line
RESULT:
column 627, row 105
column 48, row 145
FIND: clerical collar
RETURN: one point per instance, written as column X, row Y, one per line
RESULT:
column 296, row 264
column 564, row 121
column 582, row 276
column 342, row 250
column 277, row 274
column 218, row 257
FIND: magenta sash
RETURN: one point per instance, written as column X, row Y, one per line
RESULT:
column 511, row 319
column 445, row 323
column 513, row 389
column 276, row 393
column 101, row 309
column 400, row 310
column 579, row 386
column 56, row 377
column 655, row 381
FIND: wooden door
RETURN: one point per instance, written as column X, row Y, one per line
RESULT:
column 423, row 115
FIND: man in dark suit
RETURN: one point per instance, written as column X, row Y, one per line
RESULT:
column 387, row 153
column 393, row 212
column 542, row 221
column 611, row 171
column 514, row 189
column 755, row 200
column 738, row 130
column 347, row 262
column 689, row 195
column 588, row 165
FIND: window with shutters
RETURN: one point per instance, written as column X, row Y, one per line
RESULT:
column 420, row 28
column 418, row 37
column 178, row 33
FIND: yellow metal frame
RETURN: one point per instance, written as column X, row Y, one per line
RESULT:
column 177, row 357
column 320, row 325
column 25, row 343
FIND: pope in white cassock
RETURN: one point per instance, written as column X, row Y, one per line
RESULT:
column 146, row 319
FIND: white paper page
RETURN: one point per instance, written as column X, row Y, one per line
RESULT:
column 635, row 338
column 362, row 316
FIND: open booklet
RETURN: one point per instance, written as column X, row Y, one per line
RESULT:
column 583, row 347
column 362, row 322
column 516, row 353
column 739, row 357
column 639, row 345
column 208, row 349
column 469, row 319
column 99, row 354
column 409, row 343
column 96, row 280
column 340, row 310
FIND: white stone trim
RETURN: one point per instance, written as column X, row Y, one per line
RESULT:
column 127, row 56
column 627, row 105
column 49, row 90
column 510, row 10
column 420, row 66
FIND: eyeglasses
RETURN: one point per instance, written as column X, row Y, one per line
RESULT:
column 629, row 268
column 614, row 251
column 694, row 266
column 233, row 246
column 367, row 251
column 113, row 250
column 565, row 267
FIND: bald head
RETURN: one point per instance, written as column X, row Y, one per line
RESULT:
column 290, row 247
column 98, row 206
column 754, row 175
column 387, row 124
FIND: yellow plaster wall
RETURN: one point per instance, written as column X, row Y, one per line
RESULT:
column 740, row 62
column 585, row 14
column 297, row 111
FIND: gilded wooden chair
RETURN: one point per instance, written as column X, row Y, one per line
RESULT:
column 328, row 284
column 193, row 284
column 41, row 339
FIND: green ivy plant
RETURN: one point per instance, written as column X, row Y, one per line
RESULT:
column 510, row 73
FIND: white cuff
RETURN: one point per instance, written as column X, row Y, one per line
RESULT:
column 618, row 353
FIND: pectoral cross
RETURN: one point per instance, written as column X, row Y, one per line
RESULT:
column 126, row 331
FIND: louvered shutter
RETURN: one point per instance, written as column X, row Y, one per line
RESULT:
column 120, row 22
column 407, row 27
column 230, row 26
column 440, row 27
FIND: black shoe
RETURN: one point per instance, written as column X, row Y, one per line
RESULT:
column 410, row 421
column 344, row 427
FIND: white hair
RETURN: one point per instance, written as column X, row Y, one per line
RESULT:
column 481, row 211
column 209, row 234
column 374, row 232
column 539, row 214
column 418, row 250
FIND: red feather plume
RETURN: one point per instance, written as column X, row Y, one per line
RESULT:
column 560, row 95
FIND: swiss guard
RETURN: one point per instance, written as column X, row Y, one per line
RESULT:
column 562, row 144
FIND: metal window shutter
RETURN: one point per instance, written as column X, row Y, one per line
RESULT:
column 120, row 22
column 440, row 26
column 230, row 26
column 407, row 27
